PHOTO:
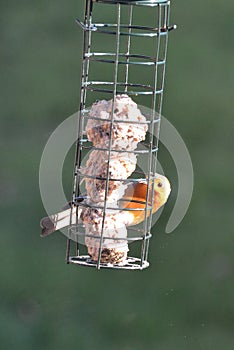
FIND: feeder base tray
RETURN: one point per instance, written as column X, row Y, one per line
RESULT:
column 129, row 264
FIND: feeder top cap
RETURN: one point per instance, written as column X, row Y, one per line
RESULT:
column 134, row 2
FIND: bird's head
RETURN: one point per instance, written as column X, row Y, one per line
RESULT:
column 162, row 188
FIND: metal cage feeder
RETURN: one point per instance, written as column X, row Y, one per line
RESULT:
column 121, row 71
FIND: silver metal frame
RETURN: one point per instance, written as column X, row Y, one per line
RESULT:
column 114, row 87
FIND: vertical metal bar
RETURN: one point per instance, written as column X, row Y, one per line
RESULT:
column 111, row 127
column 128, row 46
column 165, row 25
column 68, row 250
column 83, row 93
column 77, row 161
column 154, row 107
column 87, row 50
column 151, row 161
column 77, row 249
column 158, row 107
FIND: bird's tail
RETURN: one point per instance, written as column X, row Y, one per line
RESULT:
column 58, row 221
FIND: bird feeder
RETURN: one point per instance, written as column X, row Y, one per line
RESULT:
column 123, row 68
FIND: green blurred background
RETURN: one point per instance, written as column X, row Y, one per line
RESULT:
column 185, row 299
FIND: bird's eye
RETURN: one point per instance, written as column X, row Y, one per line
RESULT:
column 160, row 184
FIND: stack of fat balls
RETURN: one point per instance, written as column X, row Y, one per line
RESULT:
column 112, row 156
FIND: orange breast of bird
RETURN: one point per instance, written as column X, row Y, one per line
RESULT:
column 135, row 198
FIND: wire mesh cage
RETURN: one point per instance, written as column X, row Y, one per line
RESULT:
column 123, row 67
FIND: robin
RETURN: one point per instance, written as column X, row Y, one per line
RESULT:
column 136, row 196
